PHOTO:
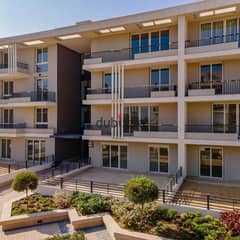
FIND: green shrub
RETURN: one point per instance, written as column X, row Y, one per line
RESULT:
column 89, row 203
column 74, row 236
column 141, row 190
column 25, row 181
column 168, row 214
column 61, row 200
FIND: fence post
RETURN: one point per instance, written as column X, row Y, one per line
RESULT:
column 26, row 164
column 61, row 182
column 9, row 168
column 176, row 178
column 91, row 186
column 180, row 171
column 208, row 202
column 76, row 184
column 52, row 173
column 79, row 164
column 164, row 195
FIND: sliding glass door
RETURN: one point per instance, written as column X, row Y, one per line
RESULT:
column 211, row 162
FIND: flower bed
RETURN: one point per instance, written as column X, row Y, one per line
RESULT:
column 73, row 236
column 35, row 203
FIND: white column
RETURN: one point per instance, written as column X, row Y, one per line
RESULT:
column 182, row 68
column 12, row 58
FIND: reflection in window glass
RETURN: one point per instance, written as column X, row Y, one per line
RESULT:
column 231, row 30
column 144, row 42
column 155, row 41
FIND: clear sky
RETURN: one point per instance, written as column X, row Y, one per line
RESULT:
column 25, row 16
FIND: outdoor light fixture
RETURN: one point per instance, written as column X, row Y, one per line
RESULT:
column 163, row 21
column 4, row 47
column 35, row 42
column 218, row 11
column 206, row 14
column 148, row 24
column 225, row 10
column 115, row 29
column 157, row 22
column 67, row 37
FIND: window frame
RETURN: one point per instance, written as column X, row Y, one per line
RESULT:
column 41, row 124
column 7, row 150
column 199, row 165
column 41, row 63
column 40, row 141
column 10, row 89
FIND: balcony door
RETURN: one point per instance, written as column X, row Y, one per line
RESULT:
column 7, row 89
column 36, row 150
column 224, row 117
column 160, row 79
column 211, row 162
column 5, row 148
column 42, row 89
column 7, row 118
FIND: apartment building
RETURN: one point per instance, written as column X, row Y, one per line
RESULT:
column 165, row 91
column 39, row 100
column 164, row 94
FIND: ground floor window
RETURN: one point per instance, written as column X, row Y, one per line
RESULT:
column 36, row 149
column 211, row 162
column 158, row 159
column 6, row 148
column 114, row 156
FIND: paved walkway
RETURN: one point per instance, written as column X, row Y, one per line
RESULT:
column 98, row 233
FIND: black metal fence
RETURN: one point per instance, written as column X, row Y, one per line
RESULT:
column 8, row 167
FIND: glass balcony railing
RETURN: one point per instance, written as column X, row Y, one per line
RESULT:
column 129, row 53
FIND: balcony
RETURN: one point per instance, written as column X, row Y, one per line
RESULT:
column 218, row 43
column 22, row 130
column 226, row 87
column 156, row 91
column 21, row 71
column 212, row 132
column 163, row 131
column 152, row 51
column 24, row 98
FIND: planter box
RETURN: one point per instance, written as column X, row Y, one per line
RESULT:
column 158, row 94
column 201, row 92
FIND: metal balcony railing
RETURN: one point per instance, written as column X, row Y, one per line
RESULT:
column 35, row 96
column 211, row 128
column 129, row 53
column 137, row 91
column 221, row 87
column 3, row 66
column 213, row 40
column 12, row 125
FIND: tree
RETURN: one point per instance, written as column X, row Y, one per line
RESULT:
column 24, row 182
column 141, row 190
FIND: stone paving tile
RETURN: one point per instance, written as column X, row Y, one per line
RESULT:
column 98, row 233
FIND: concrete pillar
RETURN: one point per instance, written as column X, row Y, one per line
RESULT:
column 182, row 75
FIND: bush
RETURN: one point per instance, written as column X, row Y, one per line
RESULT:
column 89, row 203
column 74, row 236
column 231, row 219
column 141, row 190
column 61, row 200
column 25, row 181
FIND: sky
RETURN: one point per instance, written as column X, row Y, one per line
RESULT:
column 25, row 16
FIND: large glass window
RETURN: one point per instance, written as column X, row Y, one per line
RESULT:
column 42, row 89
column 144, row 42
column 218, row 32
column 6, row 148
column 211, row 76
column 7, row 88
column 211, row 162
column 8, row 117
column 107, row 81
column 155, row 41
column 231, row 30
column 154, row 116
column 114, row 156
column 158, row 159
column 42, row 118
column 36, row 150
column 135, row 44
column 206, row 34
column 160, row 79
column 42, row 60
column 165, row 40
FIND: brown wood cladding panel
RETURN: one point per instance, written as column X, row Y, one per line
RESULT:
column 68, row 95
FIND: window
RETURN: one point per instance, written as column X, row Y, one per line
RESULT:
column 159, row 40
column 231, row 30
column 42, row 60
column 114, row 156
column 42, row 89
column 6, row 148
column 224, row 118
column 140, row 118
column 107, row 84
column 36, row 150
column 211, row 76
column 42, row 118
column 7, row 118
column 160, row 79
column 211, row 162
column 158, row 159
column 218, row 32
column 7, row 89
